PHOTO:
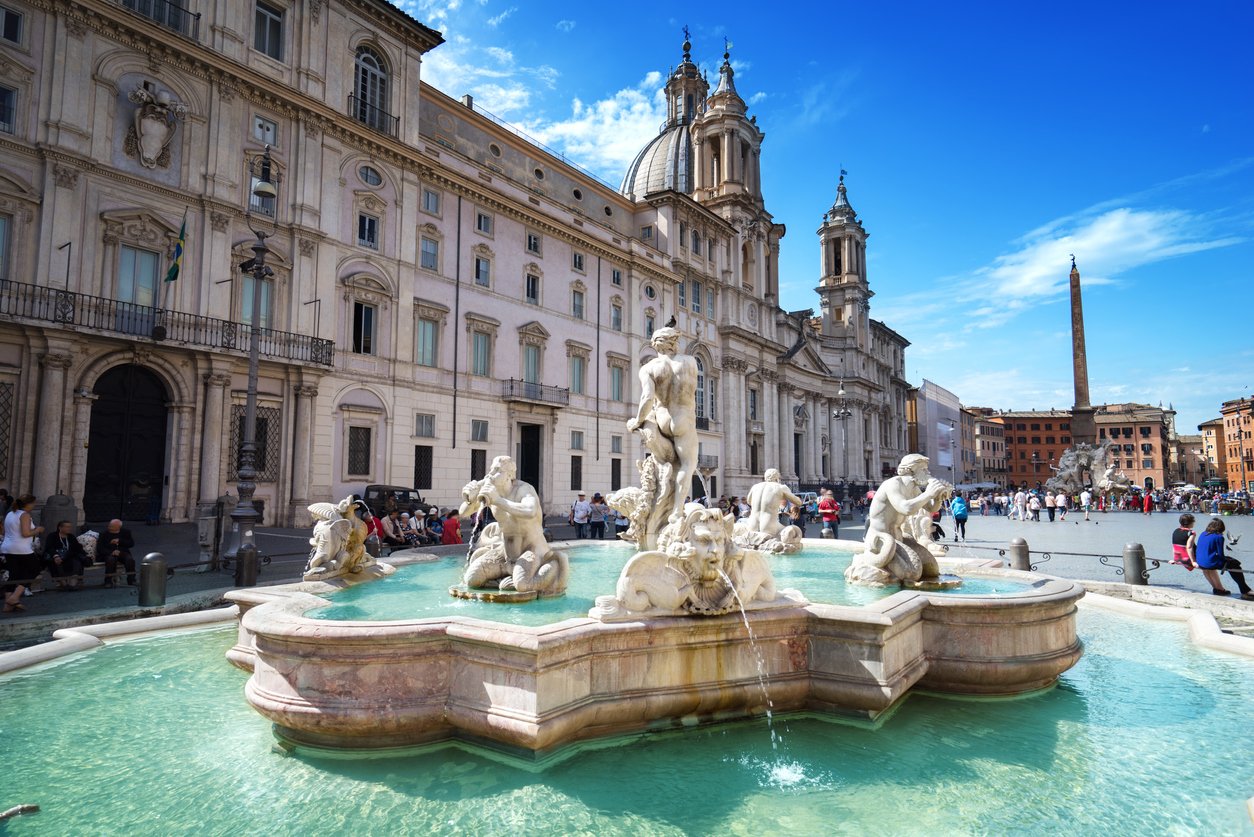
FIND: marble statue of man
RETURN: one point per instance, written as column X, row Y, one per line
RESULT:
column 765, row 499
column 894, row 551
column 667, row 421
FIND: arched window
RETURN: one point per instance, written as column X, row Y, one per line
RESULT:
column 370, row 97
column 700, row 389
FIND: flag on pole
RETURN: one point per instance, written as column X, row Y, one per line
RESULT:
column 177, row 265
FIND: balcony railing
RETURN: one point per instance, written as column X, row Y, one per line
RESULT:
column 170, row 15
column 374, row 116
column 515, row 390
column 707, row 460
column 65, row 308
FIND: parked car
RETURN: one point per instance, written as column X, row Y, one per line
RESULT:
column 406, row 499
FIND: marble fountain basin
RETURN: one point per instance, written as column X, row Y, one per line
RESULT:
column 369, row 685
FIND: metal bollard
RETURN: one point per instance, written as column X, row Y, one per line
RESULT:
column 247, row 563
column 1134, row 564
column 1020, row 556
column 152, row 575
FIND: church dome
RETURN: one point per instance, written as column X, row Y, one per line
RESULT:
column 665, row 163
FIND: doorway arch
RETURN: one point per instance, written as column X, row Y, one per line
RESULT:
column 126, row 446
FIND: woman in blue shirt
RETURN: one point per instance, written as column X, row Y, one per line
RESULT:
column 1212, row 561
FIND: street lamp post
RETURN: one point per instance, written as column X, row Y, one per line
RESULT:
column 843, row 413
column 244, row 517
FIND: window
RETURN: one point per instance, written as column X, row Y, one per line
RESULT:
column 424, row 426
column 683, row 294
column 533, row 243
column 576, row 304
column 264, row 130
column 426, row 342
column 616, row 276
column 10, row 25
column 370, row 175
column 576, row 440
column 696, row 243
column 483, row 272
column 478, row 430
column 532, row 288
column 683, row 234
column 430, row 254
column 1036, row 426
column 370, row 98
column 616, row 317
column 531, row 363
column 431, row 201
column 648, row 325
column 753, row 408
column 5, row 228
column 616, row 444
column 268, row 34
column 483, row 223
column 696, row 297
column 481, row 353
column 578, row 374
column 1147, row 463
column 478, row 463
column 700, row 389
column 264, row 318
column 616, row 384
column 359, row 443
column 713, row 399
column 367, row 231
column 576, row 261
column 267, row 455
column 576, row 473
column 363, row 328
column 424, row 458
column 646, row 233
column 709, row 301
column 261, row 205
column 649, row 292
column 137, row 276
column 616, row 474
column 1049, row 440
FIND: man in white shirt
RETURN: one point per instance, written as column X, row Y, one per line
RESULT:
column 1085, row 499
column 580, row 513
column 1021, row 505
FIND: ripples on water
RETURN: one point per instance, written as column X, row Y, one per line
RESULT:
column 1142, row 736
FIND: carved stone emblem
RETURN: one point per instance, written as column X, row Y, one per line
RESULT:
column 149, row 135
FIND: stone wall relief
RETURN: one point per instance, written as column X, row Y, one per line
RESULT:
column 153, row 125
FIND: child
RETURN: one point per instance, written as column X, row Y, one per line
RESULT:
column 1184, row 543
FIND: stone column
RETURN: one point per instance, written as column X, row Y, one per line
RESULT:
column 46, row 479
column 212, row 436
column 784, row 431
column 816, row 438
column 734, row 439
column 727, row 156
column 83, row 401
column 301, row 445
column 179, row 489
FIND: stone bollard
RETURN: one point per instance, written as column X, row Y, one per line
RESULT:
column 152, row 576
column 1134, row 565
column 1020, row 556
column 247, row 564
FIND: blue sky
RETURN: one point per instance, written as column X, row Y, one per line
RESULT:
column 984, row 143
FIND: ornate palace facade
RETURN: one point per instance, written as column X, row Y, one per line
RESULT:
column 443, row 289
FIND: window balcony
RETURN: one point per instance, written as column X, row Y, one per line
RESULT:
column 170, row 15
column 515, row 390
column 83, row 313
column 373, row 116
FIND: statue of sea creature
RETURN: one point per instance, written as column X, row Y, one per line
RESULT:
column 338, row 544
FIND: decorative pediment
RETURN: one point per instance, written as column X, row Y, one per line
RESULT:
column 616, row 300
column 533, row 334
column 13, row 70
column 367, row 288
column 578, row 285
column 482, row 322
column 242, row 251
column 533, row 269
column 482, row 250
column 576, row 349
column 431, row 310
column 430, row 229
column 141, row 228
column 370, row 202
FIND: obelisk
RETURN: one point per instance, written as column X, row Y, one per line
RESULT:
column 1083, row 427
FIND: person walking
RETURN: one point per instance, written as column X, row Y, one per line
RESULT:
column 18, row 549
column 959, row 509
column 829, row 511
column 1086, row 499
column 580, row 514
column 1051, row 504
column 1213, row 561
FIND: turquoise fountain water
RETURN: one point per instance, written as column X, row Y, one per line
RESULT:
column 154, row 737
column 421, row 590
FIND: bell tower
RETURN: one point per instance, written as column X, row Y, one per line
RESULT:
column 843, row 289
column 685, row 90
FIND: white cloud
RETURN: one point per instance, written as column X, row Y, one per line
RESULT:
column 605, row 135
column 491, row 74
column 565, row 25
column 496, row 20
column 756, row 97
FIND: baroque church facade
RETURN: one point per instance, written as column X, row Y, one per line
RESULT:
column 444, row 289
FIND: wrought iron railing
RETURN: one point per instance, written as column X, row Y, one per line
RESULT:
column 372, row 115
column 170, row 15
column 515, row 390
column 81, row 311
